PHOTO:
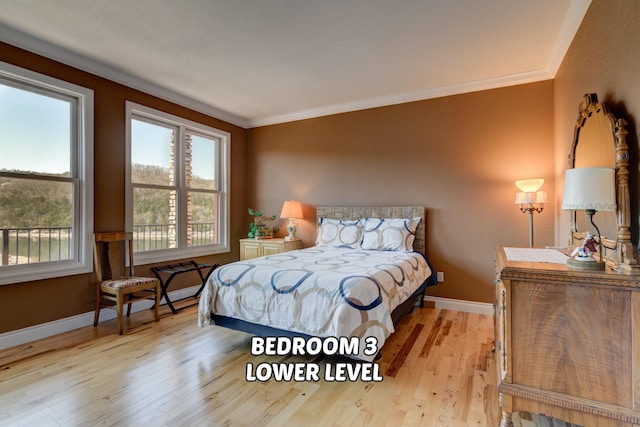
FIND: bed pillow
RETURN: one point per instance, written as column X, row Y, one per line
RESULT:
column 390, row 234
column 334, row 232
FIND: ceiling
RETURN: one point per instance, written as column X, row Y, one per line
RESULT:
column 258, row 62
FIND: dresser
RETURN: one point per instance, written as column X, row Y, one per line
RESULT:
column 567, row 343
column 253, row 248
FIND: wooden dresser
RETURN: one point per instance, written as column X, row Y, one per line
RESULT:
column 567, row 343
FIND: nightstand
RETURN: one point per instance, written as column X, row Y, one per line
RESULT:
column 253, row 248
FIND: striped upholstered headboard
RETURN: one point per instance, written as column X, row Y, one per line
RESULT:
column 357, row 212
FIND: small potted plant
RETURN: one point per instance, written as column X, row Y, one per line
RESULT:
column 261, row 227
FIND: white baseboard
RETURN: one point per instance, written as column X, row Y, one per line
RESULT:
column 461, row 305
column 33, row 333
column 44, row 330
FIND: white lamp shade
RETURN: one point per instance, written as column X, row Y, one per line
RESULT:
column 291, row 209
column 523, row 198
column 530, row 185
column 589, row 188
column 541, row 197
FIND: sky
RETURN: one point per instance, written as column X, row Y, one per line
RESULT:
column 34, row 132
column 35, row 137
column 151, row 147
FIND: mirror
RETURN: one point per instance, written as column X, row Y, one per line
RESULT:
column 600, row 140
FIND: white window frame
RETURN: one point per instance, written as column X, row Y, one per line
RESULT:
column 82, row 162
column 223, row 154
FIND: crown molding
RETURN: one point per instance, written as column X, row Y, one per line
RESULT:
column 474, row 86
column 57, row 53
column 575, row 15
column 572, row 21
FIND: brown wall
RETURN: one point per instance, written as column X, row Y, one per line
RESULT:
column 457, row 155
column 604, row 58
column 31, row 303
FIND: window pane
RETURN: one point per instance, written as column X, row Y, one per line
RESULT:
column 201, row 227
column 202, row 159
column 36, row 218
column 152, row 153
column 154, row 219
column 198, row 223
column 35, row 132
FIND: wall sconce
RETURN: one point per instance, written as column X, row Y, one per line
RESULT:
column 291, row 209
column 530, row 200
column 591, row 190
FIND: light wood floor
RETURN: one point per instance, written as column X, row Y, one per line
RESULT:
column 438, row 371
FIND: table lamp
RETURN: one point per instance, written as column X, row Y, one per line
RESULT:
column 590, row 190
column 291, row 209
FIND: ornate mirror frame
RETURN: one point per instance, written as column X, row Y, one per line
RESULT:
column 620, row 253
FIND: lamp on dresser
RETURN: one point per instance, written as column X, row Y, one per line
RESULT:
column 291, row 209
column 530, row 200
column 590, row 190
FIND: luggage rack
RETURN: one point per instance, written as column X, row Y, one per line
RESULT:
column 166, row 274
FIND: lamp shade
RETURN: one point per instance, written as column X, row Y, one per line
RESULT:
column 523, row 198
column 589, row 188
column 530, row 185
column 291, row 209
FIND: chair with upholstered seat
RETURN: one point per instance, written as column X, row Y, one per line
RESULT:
column 117, row 284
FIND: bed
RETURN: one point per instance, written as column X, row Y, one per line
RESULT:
column 366, row 271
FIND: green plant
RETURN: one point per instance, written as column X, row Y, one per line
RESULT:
column 259, row 227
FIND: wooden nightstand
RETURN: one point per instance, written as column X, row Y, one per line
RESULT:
column 253, row 248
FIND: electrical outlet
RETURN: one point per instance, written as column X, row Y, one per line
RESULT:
column 440, row 276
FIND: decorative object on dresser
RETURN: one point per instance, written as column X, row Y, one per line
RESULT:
column 590, row 190
column 291, row 209
column 600, row 141
column 252, row 248
column 567, row 342
column 530, row 200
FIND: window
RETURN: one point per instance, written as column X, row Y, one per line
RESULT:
column 46, row 178
column 177, row 203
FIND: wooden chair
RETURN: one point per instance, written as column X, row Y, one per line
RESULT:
column 117, row 285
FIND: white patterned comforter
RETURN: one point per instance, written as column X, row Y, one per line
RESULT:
column 320, row 291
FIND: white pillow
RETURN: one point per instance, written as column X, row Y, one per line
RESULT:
column 334, row 232
column 390, row 234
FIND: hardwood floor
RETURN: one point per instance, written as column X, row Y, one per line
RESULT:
column 438, row 371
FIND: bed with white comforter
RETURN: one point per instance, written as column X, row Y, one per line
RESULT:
column 320, row 291
column 367, row 270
